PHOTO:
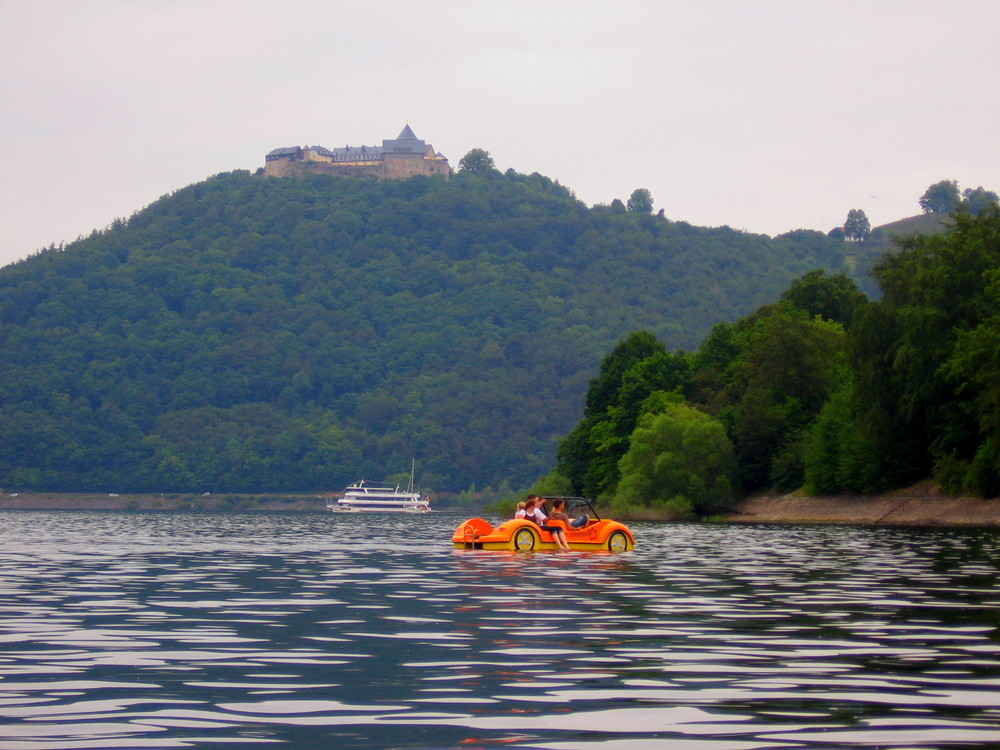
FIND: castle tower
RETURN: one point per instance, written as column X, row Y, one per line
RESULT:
column 406, row 156
column 405, row 144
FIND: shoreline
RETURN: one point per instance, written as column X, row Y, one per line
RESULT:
column 224, row 501
column 923, row 504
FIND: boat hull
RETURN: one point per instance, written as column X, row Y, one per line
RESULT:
column 340, row 509
column 520, row 535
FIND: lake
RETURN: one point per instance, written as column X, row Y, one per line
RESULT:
column 175, row 630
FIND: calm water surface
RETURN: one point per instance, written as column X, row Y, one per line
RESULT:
column 157, row 630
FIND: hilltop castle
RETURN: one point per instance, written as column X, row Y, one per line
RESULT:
column 396, row 159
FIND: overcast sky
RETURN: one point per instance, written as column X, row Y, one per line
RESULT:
column 765, row 115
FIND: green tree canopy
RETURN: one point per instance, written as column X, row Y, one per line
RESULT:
column 979, row 199
column 641, row 201
column 637, row 367
column 284, row 334
column 857, row 227
column 941, row 197
column 833, row 297
column 477, row 161
column 919, row 400
column 766, row 377
column 679, row 461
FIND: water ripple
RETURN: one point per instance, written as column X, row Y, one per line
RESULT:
column 188, row 630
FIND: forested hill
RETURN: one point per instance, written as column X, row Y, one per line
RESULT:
column 251, row 333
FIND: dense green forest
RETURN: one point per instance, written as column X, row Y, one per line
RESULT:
column 823, row 389
column 249, row 333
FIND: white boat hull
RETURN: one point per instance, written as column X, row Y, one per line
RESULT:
column 354, row 509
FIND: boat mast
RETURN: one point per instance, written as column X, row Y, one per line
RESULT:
column 409, row 487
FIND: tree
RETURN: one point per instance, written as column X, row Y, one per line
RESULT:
column 941, row 198
column 492, row 293
column 837, row 455
column 923, row 358
column 857, row 227
column 679, row 461
column 766, row 378
column 831, row 297
column 979, row 200
column 637, row 367
column 641, row 201
column 477, row 161
column 603, row 391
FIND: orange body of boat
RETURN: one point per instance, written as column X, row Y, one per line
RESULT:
column 525, row 536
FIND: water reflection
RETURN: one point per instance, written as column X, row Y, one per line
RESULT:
column 174, row 630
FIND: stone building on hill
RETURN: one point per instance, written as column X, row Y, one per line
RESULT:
column 396, row 159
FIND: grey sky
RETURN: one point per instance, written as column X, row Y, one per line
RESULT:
column 764, row 115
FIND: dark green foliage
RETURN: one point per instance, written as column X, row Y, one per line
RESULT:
column 477, row 161
column 638, row 367
column 837, row 455
column 641, row 201
column 256, row 333
column 767, row 384
column 979, row 199
column 759, row 384
column 833, row 298
column 679, row 462
column 857, row 227
column 975, row 364
column 912, row 388
column 941, row 198
column 944, row 197
column 605, row 389
column 925, row 357
column 767, row 377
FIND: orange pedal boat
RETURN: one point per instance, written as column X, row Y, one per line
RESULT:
column 522, row 535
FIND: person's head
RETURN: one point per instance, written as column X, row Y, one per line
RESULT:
column 558, row 504
column 529, row 504
column 520, row 505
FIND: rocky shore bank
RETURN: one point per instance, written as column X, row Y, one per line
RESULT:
column 923, row 504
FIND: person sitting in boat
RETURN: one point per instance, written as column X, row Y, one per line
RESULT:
column 559, row 513
column 519, row 513
column 533, row 512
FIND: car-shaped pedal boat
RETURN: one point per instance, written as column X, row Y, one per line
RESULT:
column 598, row 534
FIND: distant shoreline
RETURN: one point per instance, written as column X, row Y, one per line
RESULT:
column 231, row 501
column 923, row 504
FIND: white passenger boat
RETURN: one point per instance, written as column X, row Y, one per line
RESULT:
column 366, row 496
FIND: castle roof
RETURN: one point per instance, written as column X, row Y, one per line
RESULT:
column 407, row 144
column 406, row 134
column 357, row 153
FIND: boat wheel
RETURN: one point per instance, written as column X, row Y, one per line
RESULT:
column 618, row 541
column 524, row 540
